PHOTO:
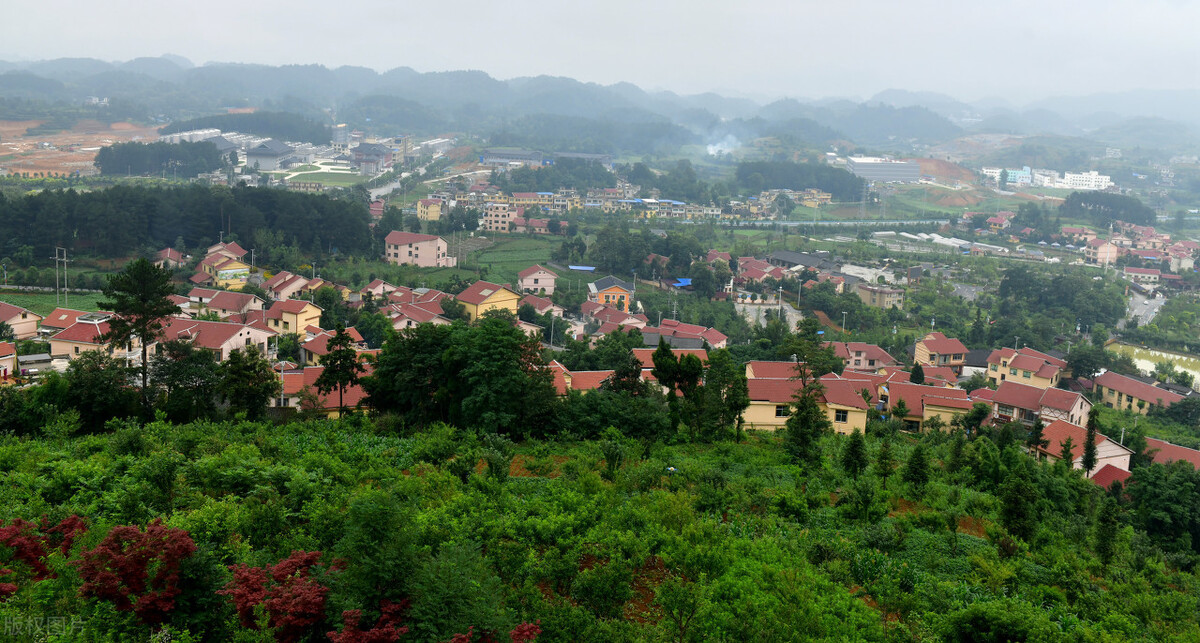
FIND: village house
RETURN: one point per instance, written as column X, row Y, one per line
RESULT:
column 170, row 259
column 541, row 305
column 861, row 356
column 283, row 317
column 1163, row 452
column 1118, row 391
column 611, row 291
column 1026, row 366
column 499, row 217
column 880, row 296
column 483, row 296
column 1099, row 252
column 411, row 315
column 219, row 338
column 226, row 303
column 60, row 319
column 430, row 209
column 925, row 402
column 424, row 250
column 771, row 400
column 316, row 344
column 301, row 384
column 86, row 334
column 537, row 280
column 284, row 285
column 8, row 362
column 1147, row 276
column 23, row 323
column 757, row 369
column 223, row 271
column 680, row 335
column 1108, row 452
column 1015, row 402
column 935, row 349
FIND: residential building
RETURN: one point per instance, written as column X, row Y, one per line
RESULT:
column 316, row 344
column 219, row 338
column 756, row 369
column 483, row 296
column 8, row 362
column 771, row 400
column 880, row 296
column 284, row 285
column 500, row 217
column 861, row 356
column 935, row 349
column 924, row 402
column 536, row 279
column 1092, row 180
column 224, row 271
column 1118, row 391
column 302, row 383
column 611, row 291
column 1100, row 252
column 23, row 323
column 430, row 209
column 169, row 258
column 1148, row 276
column 60, row 319
column 226, row 303
column 86, row 334
column 680, row 335
column 1015, row 402
column 1163, row 452
column 292, row 316
column 424, row 250
column 541, row 305
column 1108, row 452
column 1026, row 366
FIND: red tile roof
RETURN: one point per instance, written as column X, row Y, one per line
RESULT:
column 1021, row 396
column 61, row 318
column 1108, row 474
column 1057, row 398
column 917, row 396
column 846, row 351
column 296, row 381
column 479, row 292
column 232, row 301
column 7, row 348
column 773, row 370
column 646, row 355
column 540, row 304
column 1163, row 452
column 1058, row 431
column 775, row 391
column 398, row 238
column 589, row 380
column 82, row 332
column 1137, row 389
column 842, row 392
column 939, row 344
column 532, row 270
column 206, row 334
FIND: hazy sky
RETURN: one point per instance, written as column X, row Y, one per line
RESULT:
column 1020, row 49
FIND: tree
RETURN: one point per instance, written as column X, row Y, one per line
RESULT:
column 854, row 456
column 916, row 470
column 806, row 425
column 248, row 383
column 1036, row 439
column 188, row 378
column 98, row 387
column 726, row 393
column 1066, row 452
column 885, row 463
column 341, row 367
column 138, row 297
column 1089, row 443
column 1002, row 181
column 137, row 571
column 1018, row 506
column 453, row 309
column 917, row 376
column 6, row 333
column 1107, row 525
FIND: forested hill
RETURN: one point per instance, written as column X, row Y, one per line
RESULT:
column 122, row 220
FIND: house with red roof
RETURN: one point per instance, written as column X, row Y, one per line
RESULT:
column 536, row 279
column 1106, row 475
column 423, row 250
column 23, row 322
column 8, row 362
column 60, row 319
column 1025, row 366
column 170, row 259
column 756, row 369
column 407, row 315
column 716, row 255
column 1163, row 452
column 861, row 356
column 301, row 385
column 229, row 249
column 924, row 402
column 316, row 344
column 1099, row 252
column 86, row 334
column 284, row 285
column 771, row 400
column 1118, row 391
column 541, row 305
column 226, row 303
column 219, row 338
column 1108, row 452
column 1147, row 276
column 935, row 349
column 681, row 335
column 483, row 296
column 292, row 316
column 1015, row 402
column 610, row 315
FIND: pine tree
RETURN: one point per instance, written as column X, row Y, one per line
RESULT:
column 885, row 463
column 138, row 297
column 917, row 376
column 805, row 426
column 1089, row 443
column 341, row 367
column 916, row 470
column 1036, row 438
column 1107, row 524
column 854, row 456
column 1066, row 452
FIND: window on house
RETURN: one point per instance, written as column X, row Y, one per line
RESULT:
column 994, row 367
column 1025, row 374
column 285, row 325
column 76, row 350
column 1012, row 371
column 782, row 410
column 841, row 416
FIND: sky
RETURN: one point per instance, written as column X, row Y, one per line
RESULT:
column 1018, row 50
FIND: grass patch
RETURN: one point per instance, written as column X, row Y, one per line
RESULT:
column 44, row 303
column 337, row 179
column 512, row 254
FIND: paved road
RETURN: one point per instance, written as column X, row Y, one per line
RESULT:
column 1143, row 308
column 970, row 293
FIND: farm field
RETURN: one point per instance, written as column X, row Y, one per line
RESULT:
column 512, row 254
column 66, row 151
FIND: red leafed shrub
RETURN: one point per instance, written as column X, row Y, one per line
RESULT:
column 64, row 534
column 137, row 570
column 523, row 633
column 387, row 630
column 27, row 545
column 293, row 599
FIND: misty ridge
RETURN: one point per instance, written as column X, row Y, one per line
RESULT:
column 569, row 115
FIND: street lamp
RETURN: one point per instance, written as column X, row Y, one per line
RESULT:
column 843, row 324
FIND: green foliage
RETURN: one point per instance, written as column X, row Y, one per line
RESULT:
column 247, row 382
column 183, row 159
column 1102, row 208
column 341, row 365
column 854, row 454
column 268, row 124
column 843, row 185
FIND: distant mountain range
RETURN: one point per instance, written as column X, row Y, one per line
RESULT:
column 566, row 113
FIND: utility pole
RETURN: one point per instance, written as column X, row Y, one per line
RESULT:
column 843, row 325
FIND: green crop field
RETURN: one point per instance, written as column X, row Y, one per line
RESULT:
column 512, row 254
column 43, row 303
column 337, row 179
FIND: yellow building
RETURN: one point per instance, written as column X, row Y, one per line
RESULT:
column 1026, row 366
column 926, row 402
column 1117, row 391
column 483, row 296
column 771, row 399
column 293, row 316
column 430, row 209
